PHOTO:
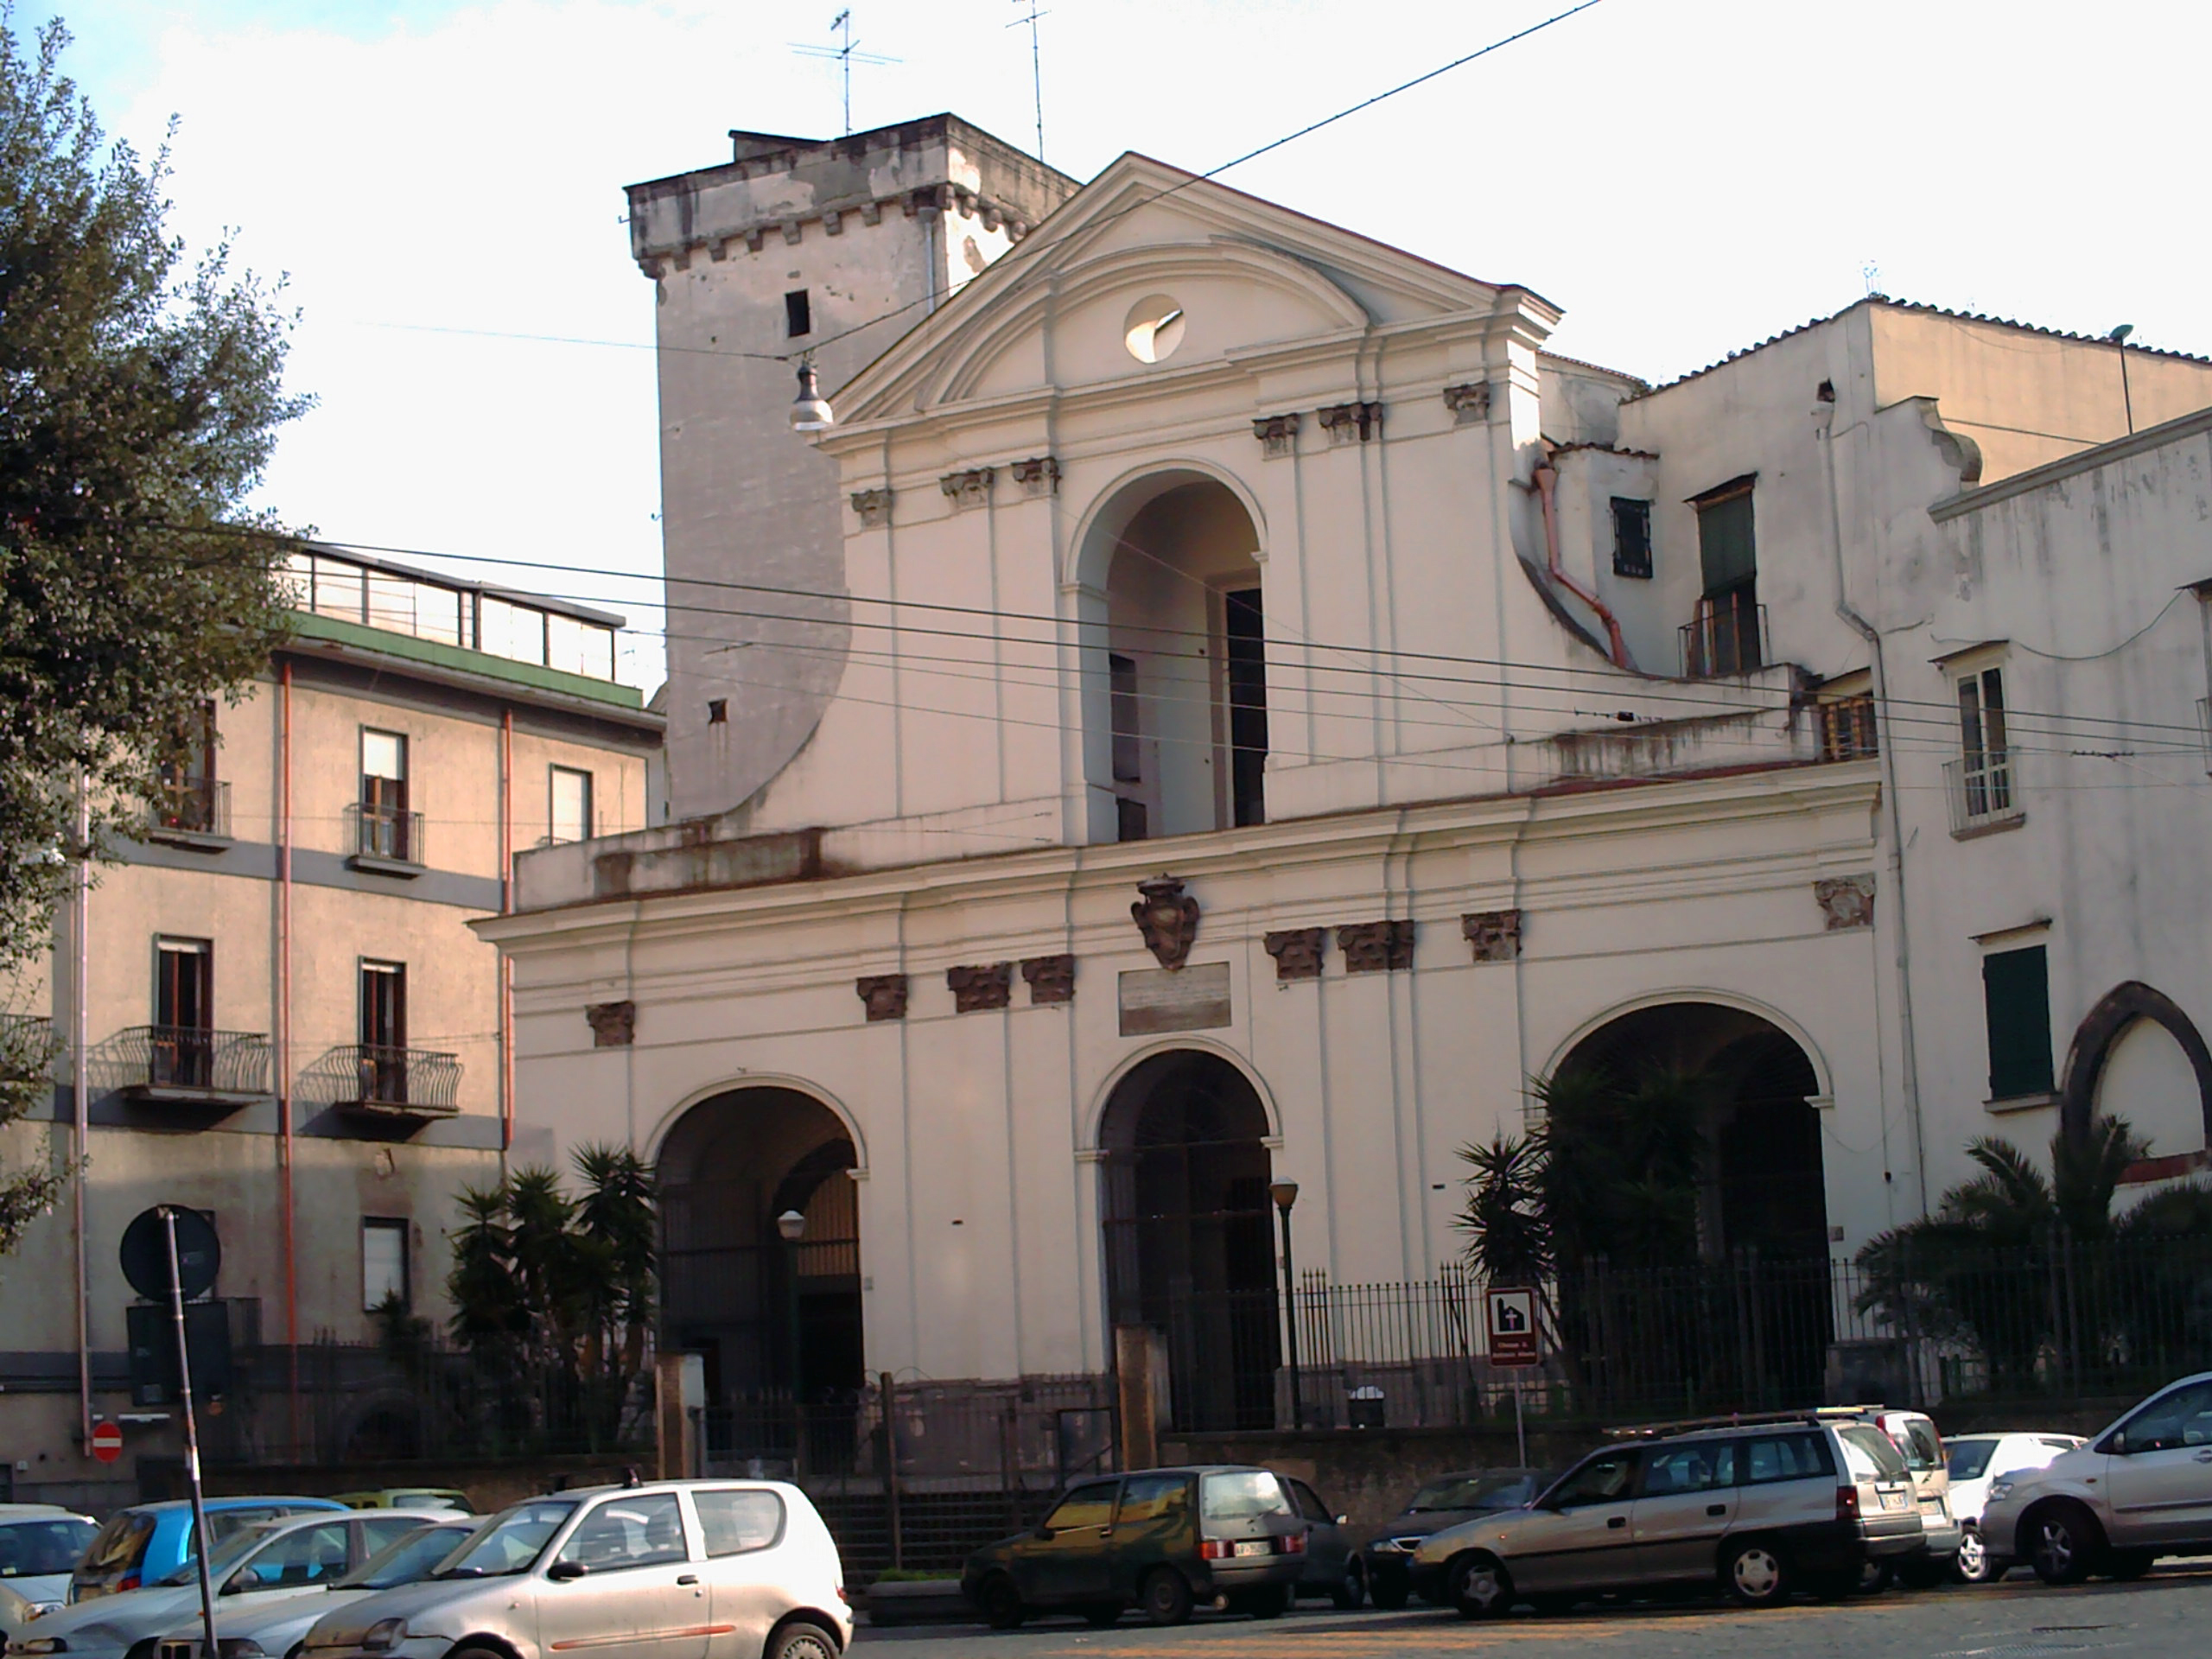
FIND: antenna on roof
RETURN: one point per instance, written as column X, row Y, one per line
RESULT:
column 845, row 55
column 1036, row 66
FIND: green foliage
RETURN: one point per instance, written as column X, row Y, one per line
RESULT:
column 140, row 396
column 27, row 1191
column 554, row 1296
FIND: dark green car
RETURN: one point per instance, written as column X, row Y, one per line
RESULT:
column 1164, row 1541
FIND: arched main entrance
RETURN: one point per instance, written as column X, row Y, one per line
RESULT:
column 772, row 1320
column 1182, row 703
column 1710, row 1141
column 1190, row 1248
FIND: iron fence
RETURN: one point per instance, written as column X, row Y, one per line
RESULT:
column 2057, row 1322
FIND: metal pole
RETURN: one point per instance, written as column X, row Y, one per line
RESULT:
column 201, row 1542
column 798, row 1397
column 887, row 1389
column 1290, row 1320
column 1520, row 1424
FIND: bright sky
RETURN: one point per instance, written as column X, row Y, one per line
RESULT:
column 1683, row 176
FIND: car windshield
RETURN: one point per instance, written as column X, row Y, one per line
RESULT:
column 1914, row 1438
column 1871, row 1453
column 411, row 1558
column 228, row 1555
column 122, row 1544
column 34, row 1548
column 508, row 1542
column 1970, row 1458
column 1490, row 1491
column 1242, row 1497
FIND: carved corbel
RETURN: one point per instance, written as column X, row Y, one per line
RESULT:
column 873, row 506
column 976, row 989
column 1297, row 952
column 1039, row 475
column 969, row 489
column 1278, row 434
column 1051, row 979
column 1495, row 934
column 883, row 995
column 1377, row 947
column 1345, row 423
column 613, row 1025
column 1846, row 901
column 1470, row 404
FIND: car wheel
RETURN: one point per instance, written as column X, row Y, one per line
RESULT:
column 1388, row 1591
column 1165, row 1596
column 2063, row 1544
column 1350, row 1592
column 1101, row 1615
column 2128, row 1565
column 1971, row 1564
column 1755, row 1575
column 802, row 1640
column 1477, row 1587
column 1000, row 1601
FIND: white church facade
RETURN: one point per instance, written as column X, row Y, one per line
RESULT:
column 1259, row 710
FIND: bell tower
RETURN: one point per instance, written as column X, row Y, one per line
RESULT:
column 824, row 249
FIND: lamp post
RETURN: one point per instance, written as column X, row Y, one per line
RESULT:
column 1285, row 1194
column 2118, row 338
column 792, row 1227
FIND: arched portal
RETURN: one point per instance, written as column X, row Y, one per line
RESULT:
column 1181, row 698
column 1190, row 1248
column 770, row 1317
column 1711, row 1149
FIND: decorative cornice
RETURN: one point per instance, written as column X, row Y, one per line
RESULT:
column 1377, row 947
column 971, row 488
column 1345, row 422
column 1051, row 979
column 1297, row 952
column 873, row 507
column 977, row 989
column 1278, row 434
column 1039, row 475
column 885, row 995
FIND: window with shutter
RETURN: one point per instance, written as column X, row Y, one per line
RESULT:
column 2016, row 996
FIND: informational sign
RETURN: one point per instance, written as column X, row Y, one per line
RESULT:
column 107, row 1442
column 1195, row 998
column 1513, row 1339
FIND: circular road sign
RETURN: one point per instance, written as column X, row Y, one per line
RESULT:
column 146, row 1253
column 107, row 1442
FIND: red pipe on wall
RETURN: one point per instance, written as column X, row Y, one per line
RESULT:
column 506, row 907
column 284, row 1035
column 1547, row 477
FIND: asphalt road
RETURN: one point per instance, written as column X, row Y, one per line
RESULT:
column 2170, row 1613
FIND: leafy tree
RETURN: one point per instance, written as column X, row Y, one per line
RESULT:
column 140, row 396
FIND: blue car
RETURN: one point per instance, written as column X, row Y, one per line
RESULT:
column 146, row 1543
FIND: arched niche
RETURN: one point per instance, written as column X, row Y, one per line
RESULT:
column 2095, row 1040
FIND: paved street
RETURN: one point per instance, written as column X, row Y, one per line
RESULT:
column 2155, row 1616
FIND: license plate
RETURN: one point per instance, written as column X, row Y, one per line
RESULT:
column 1894, row 1500
column 1256, row 1546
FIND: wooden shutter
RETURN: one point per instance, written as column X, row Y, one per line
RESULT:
column 2016, row 993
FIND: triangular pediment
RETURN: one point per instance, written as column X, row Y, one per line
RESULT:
column 1249, row 279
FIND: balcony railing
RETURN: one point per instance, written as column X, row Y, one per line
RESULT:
column 27, row 1049
column 188, row 1064
column 193, row 808
column 384, row 835
column 385, row 1082
column 1847, row 728
column 1728, row 637
column 1984, row 790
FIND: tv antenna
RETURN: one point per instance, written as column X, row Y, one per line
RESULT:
column 1036, row 65
column 845, row 54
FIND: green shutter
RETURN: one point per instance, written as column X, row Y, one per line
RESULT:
column 1724, row 544
column 2016, row 991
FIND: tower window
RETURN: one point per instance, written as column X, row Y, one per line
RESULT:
column 799, row 313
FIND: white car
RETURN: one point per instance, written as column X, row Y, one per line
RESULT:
column 274, row 1628
column 2140, row 1490
column 1975, row 1460
column 671, row 1569
column 40, row 1544
column 295, row 1556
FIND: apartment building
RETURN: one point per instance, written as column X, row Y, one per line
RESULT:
column 271, row 1007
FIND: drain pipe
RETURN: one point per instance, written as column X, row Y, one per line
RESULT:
column 1908, row 1077
column 284, row 1040
column 1547, row 477
column 80, row 978
column 506, row 908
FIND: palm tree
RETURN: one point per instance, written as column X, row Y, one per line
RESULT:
column 618, row 1230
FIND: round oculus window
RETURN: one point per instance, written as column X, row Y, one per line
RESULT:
column 1154, row 329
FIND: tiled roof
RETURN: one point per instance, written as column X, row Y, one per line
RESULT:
column 1931, row 310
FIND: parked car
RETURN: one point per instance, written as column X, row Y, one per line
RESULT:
column 409, row 1497
column 1914, row 1434
column 275, row 1627
column 275, row 1559
column 1333, row 1567
column 1227, row 1535
column 751, row 1560
column 1973, row 1462
column 1445, row 1501
column 145, row 1543
column 2140, row 1490
column 1757, row 1511
column 40, row 1544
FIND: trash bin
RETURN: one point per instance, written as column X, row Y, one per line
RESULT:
column 1363, row 1407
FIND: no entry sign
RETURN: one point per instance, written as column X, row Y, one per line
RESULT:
column 107, row 1442
column 1513, row 1327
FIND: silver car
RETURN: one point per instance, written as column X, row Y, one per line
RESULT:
column 2140, row 1490
column 270, row 1560
column 275, row 1629
column 699, row 1569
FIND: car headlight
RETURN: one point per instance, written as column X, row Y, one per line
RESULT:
column 2001, row 1487
column 40, row 1645
column 383, row 1636
column 41, row 1609
column 1385, row 1546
